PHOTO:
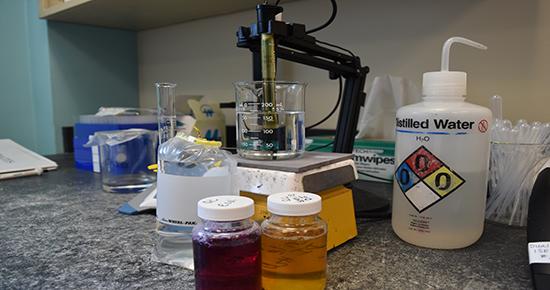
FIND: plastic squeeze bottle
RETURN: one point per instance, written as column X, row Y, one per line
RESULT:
column 442, row 159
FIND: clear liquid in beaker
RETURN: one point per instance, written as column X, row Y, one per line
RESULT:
column 270, row 119
column 271, row 135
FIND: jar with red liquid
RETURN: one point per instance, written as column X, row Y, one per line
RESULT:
column 227, row 245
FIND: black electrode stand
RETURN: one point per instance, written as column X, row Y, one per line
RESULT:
column 292, row 43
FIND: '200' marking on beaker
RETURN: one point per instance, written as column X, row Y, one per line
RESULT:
column 267, row 105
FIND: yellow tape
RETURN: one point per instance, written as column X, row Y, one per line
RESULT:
column 205, row 142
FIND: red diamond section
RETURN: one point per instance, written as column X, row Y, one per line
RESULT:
column 423, row 162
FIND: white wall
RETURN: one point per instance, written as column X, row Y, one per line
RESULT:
column 398, row 37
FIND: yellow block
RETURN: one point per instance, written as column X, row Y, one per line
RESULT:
column 337, row 212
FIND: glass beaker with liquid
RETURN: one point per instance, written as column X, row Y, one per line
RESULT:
column 270, row 119
column 124, row 156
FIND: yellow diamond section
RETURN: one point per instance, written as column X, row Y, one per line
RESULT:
column 443, row 181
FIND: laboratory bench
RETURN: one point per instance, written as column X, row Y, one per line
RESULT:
column 60, row 230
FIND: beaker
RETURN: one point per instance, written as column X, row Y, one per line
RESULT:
column 166, row 104
column 270, row 119
column 124, row 157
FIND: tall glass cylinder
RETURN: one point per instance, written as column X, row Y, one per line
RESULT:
column 270, row 123
column 166, row 100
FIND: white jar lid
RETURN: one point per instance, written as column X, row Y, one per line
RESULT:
column 225, row 208
column 294, row 203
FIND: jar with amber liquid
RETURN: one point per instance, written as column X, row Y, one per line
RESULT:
column 294, row 243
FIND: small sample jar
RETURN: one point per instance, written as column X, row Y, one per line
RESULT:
column 294, row 243
column 226, row 246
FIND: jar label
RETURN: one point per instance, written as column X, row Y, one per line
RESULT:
column 539, row 252
column 177, row 196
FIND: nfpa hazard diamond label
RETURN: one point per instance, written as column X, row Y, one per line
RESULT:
column 425, row 180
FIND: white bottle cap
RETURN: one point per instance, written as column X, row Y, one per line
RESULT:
column 445, row 82
column 294, row 203
column 225, row 208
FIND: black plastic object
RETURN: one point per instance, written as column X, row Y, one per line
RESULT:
column 538, row 226
column 371, row 199
column 265, row 13
column 68, row 136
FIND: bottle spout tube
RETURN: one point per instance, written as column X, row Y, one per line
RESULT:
column 447, row 48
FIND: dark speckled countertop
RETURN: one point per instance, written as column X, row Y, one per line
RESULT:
column 60, row 230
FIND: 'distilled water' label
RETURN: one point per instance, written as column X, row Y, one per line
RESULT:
column 437, row 156
column 177, row 196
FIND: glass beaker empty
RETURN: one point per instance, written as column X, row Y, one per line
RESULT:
column 124, row 157
column 270, row 119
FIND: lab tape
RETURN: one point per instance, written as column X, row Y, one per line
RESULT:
column 113, row 138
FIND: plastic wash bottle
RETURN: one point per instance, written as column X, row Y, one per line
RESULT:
column 442, row 160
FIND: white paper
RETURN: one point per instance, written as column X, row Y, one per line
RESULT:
column 539, row 252
column 386, row 95
column 95, row 159
column 150, row 200
column 14, row 157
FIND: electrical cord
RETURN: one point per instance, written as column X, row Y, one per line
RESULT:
column 366, row 217
column 374, row 176
column 326, row 24
column 329, row 21
column 335, row 46
column 333, row 109
column 321, row 147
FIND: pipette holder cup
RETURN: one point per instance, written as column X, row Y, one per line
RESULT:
column 513, row 169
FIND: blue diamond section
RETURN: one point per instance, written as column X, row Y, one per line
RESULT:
column 405, row 177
